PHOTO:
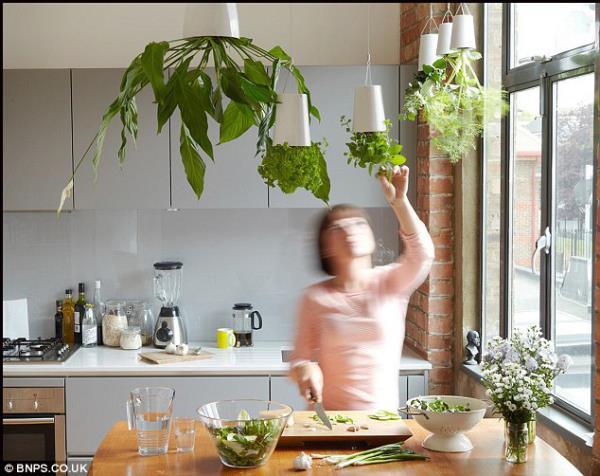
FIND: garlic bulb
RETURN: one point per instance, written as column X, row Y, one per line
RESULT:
column 181, row 349
column 302, row 462
column 170, row 348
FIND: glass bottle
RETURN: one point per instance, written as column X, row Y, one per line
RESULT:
column 113, row 323
column 79, row 313
column 99, row 309
column 146, row 321
column 68, row 310
column 58, row 320
column 89, row 330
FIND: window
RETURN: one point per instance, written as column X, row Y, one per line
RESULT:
column 538, row 183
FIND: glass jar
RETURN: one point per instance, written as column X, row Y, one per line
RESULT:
column 145, row 320
column 515, row 442
column 131, row 338
column 113, row 323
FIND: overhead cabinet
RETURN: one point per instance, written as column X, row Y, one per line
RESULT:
column 143, row 180
column 36, row 127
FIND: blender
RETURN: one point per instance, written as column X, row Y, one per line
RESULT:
column 170, row 326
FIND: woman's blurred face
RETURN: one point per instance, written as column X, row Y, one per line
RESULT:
column 348, row 237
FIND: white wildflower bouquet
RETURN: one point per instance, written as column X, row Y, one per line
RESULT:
column 519, row 373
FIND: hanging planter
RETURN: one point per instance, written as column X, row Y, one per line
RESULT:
column 368, row 115
column 463, row 30
column 290, row 160
column 250, row 89
column 445, row 34
column 211, row 19
column 428, row 42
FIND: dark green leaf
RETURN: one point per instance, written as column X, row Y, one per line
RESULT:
column 256, row 72
column 217, row 103
column 237, row 119
column 427, row 69
column 168, row 104
column 322, row 193
column 261, row 94
column 192, row 162
column 230, row 84
column 278, row 52
column 152, row 65
column 440, row 63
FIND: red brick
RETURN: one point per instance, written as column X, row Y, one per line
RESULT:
column 442, row 270
column 439, row 287
column 440, row 201
column 440, row 325
column 440, row 357
column 441, row 305
column 422, row 149
column 423, row 132
column 441, row 185
column 439, row 342
column 441, row 375
column 442, row 237
column 440, row 221
column 441, row 167
column 440, row 389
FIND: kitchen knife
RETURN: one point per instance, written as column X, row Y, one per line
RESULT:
column 322, row 415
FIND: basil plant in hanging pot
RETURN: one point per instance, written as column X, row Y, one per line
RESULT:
column 241, row 77
column 455, row 105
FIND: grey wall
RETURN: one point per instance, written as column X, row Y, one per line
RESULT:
column 265, row 257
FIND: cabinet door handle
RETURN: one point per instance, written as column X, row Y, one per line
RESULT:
column 36, row 405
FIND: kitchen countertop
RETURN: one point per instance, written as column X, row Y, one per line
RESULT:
column 262, row 359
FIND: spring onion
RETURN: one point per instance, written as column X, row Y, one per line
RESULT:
column 384, row 415
column 335, row 419
column 381, row 454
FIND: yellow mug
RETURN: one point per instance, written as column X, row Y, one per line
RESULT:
column 225, row 338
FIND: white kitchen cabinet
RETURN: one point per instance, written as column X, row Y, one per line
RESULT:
column 332, row 91
column 231, row 181
column 36, row 150
column 416, row 386
column 285, row 390
column 95, row 404
column 143, row 181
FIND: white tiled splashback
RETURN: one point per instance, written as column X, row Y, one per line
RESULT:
column 265, row 257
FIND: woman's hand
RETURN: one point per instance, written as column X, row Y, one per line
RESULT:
column 397, row 189
column 309, row 378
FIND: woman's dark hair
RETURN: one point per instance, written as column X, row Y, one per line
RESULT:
column 342, row 210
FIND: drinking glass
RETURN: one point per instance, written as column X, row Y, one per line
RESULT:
column 185, row 434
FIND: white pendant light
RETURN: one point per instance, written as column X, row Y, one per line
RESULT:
column 211, row 19
column 291, row 123
column 368, row 114
column 428, row 41
column 463, row 30
column 445, row 34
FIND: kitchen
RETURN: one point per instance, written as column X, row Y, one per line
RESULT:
column 243, row 241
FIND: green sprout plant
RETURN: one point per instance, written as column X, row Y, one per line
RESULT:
column 241, row 77
column 373, row 149
column 455, row 105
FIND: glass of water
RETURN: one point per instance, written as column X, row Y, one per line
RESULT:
column 185, row 434
column 149, row 412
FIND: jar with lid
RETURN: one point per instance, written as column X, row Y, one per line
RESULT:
column 145, row 320
column 131, row 338
column 113, row 323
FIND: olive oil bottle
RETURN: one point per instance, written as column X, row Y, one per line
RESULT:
column 68, row 311
column 79, row 313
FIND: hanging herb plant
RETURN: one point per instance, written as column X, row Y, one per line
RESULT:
column 371, row 149
column 290, row 167
column 240, row 76
column 456, row 106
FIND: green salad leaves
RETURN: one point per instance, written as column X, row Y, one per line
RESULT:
column 438, row 406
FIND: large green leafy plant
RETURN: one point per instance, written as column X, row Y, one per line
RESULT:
column 240, row 76
column 455, row 105
column 371, row 149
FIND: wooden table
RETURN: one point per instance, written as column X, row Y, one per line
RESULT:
column 117, row 455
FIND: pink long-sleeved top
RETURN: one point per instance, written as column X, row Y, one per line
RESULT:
column 357, row 337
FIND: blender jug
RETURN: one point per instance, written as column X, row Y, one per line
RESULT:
column 170, row 326
column 245, row 320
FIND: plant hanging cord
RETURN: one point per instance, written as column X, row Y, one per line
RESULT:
column 430, row 20
column 368, row 79
column 448, row 15
column 291, row 47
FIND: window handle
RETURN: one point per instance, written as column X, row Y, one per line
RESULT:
column 535, row 59
column 544, row 242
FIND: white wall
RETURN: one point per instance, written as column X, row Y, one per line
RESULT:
column 110, row 35
column 265, row 257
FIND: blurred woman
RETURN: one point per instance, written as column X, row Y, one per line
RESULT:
column 350, row 328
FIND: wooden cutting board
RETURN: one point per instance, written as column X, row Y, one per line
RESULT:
column 166, row 358
column 378, row 432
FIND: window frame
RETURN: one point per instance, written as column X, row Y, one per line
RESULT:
column 561, row 66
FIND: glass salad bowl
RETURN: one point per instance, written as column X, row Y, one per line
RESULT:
column 245, row 432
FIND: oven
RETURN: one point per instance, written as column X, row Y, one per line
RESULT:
column 33, row 424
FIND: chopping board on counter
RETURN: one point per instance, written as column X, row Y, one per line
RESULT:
column 166, row 358
column 377, row 433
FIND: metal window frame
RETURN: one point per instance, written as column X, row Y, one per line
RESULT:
column 561, row 66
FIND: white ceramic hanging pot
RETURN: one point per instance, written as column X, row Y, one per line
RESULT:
column 444, row 38
column 211, row 19
column 368, row 115
column 291, row 122
column 463, row 32
column 427, row 49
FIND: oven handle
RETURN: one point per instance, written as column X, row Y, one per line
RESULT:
column 27, row 421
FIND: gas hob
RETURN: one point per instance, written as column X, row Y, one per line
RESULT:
column 38, row 351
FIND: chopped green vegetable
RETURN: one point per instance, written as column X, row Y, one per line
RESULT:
column 437, row 406
column 335, row 419
column 381, row 454
column 248, row 443
column 384, row 415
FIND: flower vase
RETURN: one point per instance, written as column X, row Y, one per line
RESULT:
column 531, row 431
column 515, row 442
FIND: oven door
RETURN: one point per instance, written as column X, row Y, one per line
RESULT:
column 35, row 438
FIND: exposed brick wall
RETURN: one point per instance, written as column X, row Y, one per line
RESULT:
column 430, row 318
